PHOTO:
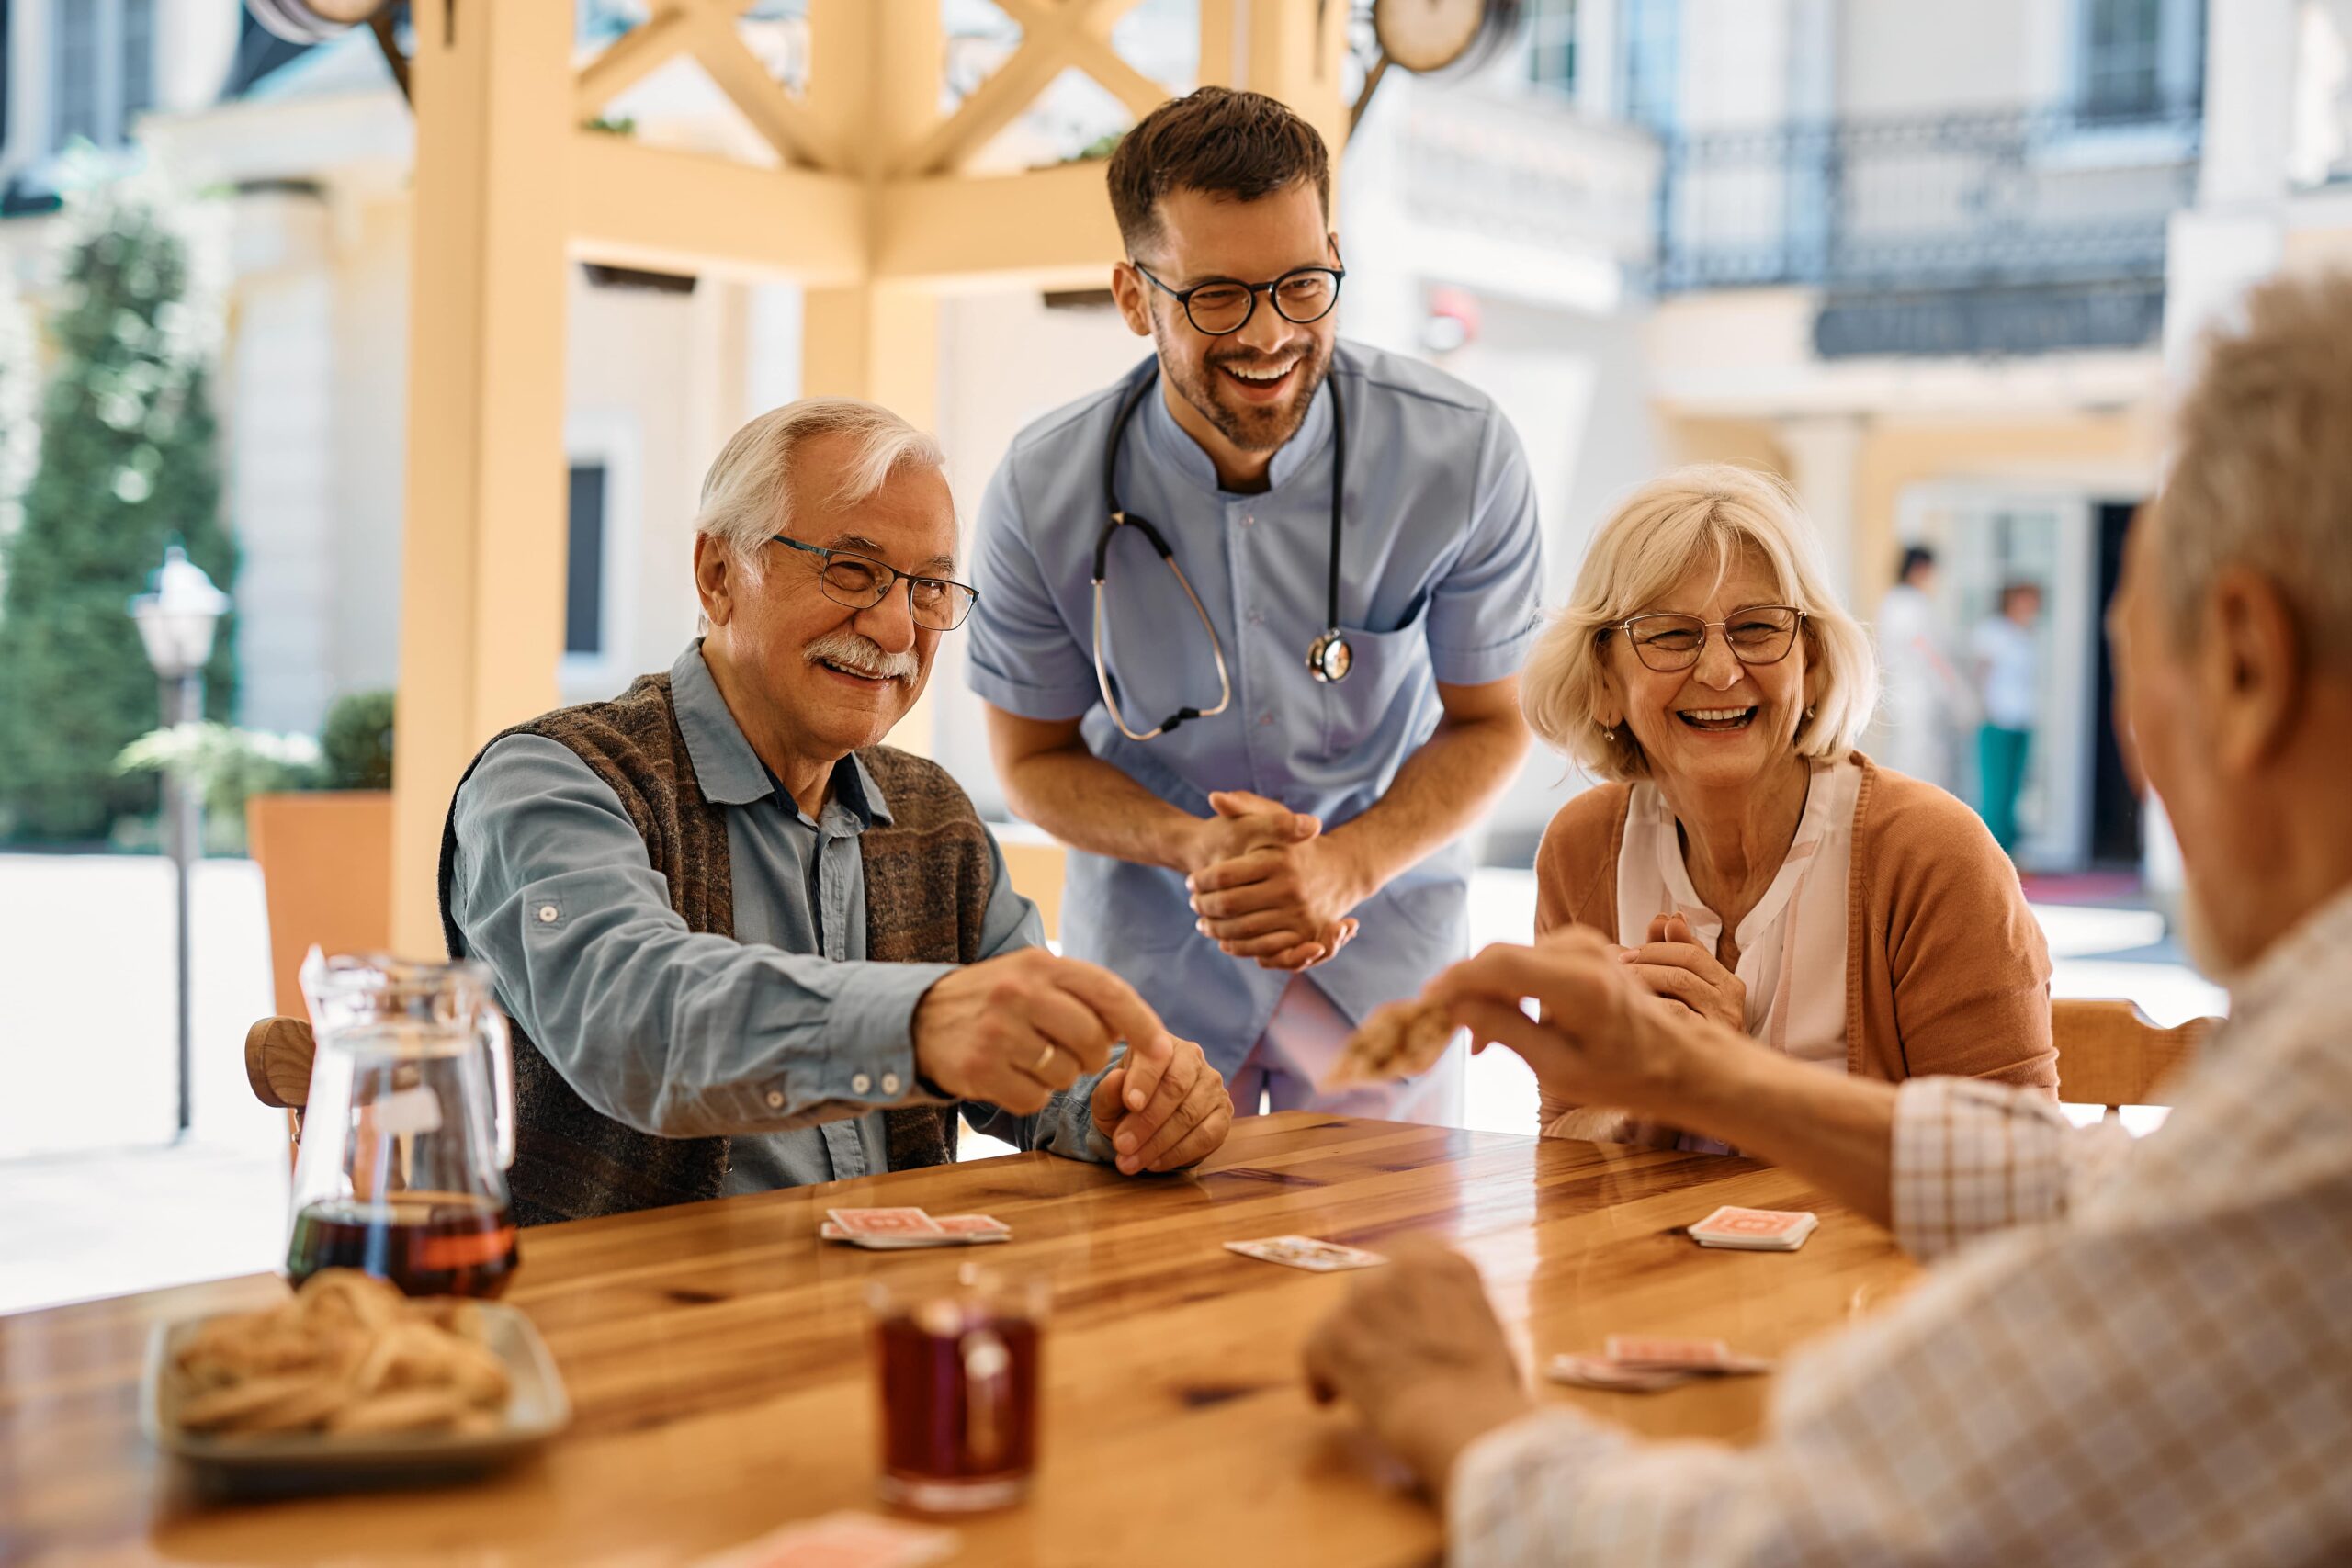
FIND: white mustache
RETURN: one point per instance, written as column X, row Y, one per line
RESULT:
column 864, row 655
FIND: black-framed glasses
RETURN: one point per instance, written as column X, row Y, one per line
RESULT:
column 861, row 582
column 1759, row 634
column 1222, row 307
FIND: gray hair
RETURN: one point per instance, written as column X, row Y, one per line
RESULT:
column 747, row 494
column 2262, row 472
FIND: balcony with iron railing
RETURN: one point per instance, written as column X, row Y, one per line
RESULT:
column 2003, row 232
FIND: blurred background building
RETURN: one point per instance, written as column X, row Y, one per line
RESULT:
column 1934, row 265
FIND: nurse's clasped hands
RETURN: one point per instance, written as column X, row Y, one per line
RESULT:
column 1277, row 889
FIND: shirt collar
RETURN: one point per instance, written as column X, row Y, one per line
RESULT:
column 729, row 773
column 1173, row 446
column 2313, row 953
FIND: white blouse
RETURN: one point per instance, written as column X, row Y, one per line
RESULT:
column 1792, row 944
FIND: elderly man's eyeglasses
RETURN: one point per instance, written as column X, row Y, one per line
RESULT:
column 861, row 583
column 1760, row 634
column 1221, row 307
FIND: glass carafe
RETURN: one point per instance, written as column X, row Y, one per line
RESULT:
column 410, row 1127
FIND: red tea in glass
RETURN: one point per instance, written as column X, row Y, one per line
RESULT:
column 957, row 1367
column 428, row 1244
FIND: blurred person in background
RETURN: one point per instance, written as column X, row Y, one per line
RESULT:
column 1750, row 863
column 1924, row 695
column 2007, row 670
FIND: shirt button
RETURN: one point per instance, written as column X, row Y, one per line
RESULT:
column 1249, row 520
column 547, row 914
column 1256, row 617
column 860, row 1083
column 889, row 1083
column 775, row 1100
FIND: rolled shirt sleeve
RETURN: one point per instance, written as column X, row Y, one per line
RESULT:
column 1482, row 611
column 685, row 1034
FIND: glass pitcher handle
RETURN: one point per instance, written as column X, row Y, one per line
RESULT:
column 988, row 1391
column 495, row 1040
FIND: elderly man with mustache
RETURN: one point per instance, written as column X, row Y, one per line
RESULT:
column 745, row 945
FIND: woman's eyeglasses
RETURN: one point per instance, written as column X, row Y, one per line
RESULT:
column 861, row 583
column 1760, row 634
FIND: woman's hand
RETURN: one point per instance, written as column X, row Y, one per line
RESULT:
column 1673, row 965
column 1417, row 1351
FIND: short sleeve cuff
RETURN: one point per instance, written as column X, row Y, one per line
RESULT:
column 1052, row 703
column 1455, row 666
column 1508, row 1481
column 869, row 1036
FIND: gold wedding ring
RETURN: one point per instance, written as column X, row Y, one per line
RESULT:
column 1044, row 1059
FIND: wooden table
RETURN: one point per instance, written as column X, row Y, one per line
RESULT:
column 717, row 1360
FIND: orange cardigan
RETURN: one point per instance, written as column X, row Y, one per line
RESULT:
column 1946, row 969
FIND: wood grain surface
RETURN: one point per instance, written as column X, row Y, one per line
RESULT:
column 716, row 1358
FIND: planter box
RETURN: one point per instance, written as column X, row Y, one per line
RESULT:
column 326, row 874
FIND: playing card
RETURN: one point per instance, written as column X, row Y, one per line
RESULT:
column 1599, row 1371
column 1306, row 1252
column 832, row 1232
column 1398, row 1041
column 885, row 1221
column 846, row 1539
column 1660, row 1353
column 1755, row 1230
column 1657, row 1351
column 975, row 1227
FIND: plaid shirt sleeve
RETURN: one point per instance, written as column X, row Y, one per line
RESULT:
column 2159, row 1372
column 1971, row 1156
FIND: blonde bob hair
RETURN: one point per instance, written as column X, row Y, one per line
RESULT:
column 1703, row 515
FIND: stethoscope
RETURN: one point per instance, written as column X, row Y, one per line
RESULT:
column 1328, row 657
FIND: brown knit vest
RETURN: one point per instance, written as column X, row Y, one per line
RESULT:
column 927, row 885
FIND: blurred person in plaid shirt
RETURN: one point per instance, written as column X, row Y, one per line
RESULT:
column 2126, row 1351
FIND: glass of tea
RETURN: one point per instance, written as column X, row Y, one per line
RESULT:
column 957, row 1367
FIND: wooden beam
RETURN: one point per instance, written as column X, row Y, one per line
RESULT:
column 994, row 105
column 1049, row 227
column 483, row 545
column 630, row 59
column 1085, row 37
column 781, row 120
column 694, row 213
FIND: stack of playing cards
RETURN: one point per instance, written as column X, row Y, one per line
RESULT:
column 1306, row 1252
column 1755, row 1230
column 888, row 1230
column 846, row 1539
column 1644, row 1363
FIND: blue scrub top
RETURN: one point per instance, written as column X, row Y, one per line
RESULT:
column 1440, row 570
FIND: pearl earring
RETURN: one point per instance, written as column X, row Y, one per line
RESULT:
column 1608, row 735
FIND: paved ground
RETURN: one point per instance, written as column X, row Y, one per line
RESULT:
column 96, row 1200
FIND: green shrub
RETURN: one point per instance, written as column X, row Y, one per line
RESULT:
column 358, row 741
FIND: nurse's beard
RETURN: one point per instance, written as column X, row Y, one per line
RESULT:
column 1250, row 429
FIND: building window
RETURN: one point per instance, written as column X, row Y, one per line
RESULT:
column 2140, row 57
column 1552, row 46
column 1650, row 60
column 584, row 578
column 105, row 72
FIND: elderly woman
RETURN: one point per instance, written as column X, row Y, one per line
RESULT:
column 1752, row 865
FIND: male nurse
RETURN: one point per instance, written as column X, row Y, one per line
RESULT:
column 1250, row 622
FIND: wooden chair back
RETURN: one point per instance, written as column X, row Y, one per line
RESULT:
column 277, row 1066
column 2111, row 1054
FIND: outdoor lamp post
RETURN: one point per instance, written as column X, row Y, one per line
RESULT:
column 176, row 623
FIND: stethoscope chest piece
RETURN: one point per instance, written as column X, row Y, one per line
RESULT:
column 1330, row 658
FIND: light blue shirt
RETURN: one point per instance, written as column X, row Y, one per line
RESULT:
column 782, row 1036
column 1440, row 565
